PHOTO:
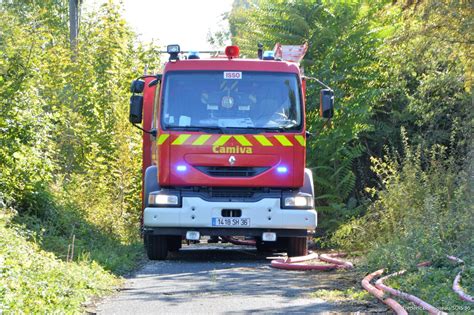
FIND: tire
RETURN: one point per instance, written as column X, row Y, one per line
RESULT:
column 174, row 243
column 156, row 247
column 297, row 246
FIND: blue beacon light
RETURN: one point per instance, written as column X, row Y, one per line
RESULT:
column 282, row 169
column 268, row 55
column 181, row 168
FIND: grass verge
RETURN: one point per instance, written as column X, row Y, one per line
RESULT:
column 35, row 278
column 433, row 285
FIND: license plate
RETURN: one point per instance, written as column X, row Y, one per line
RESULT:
column 242, row 222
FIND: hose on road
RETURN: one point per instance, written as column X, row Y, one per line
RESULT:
column 295, row 263
column 236, row 241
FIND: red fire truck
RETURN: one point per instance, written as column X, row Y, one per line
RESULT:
column 224, row 150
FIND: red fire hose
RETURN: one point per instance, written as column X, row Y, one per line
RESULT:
column 379, row 294
column 294, row 263
column 456, row 287
column 235, row 241
column 331, row 258
column 426, row 306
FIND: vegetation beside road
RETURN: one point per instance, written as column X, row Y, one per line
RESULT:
column 36, row 281
column 393, row 172
column 69, row 159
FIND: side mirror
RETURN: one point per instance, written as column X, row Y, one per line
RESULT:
column 326, row 107
column 137, row 86
column 136, row 108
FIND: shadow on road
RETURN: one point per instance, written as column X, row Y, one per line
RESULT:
column 228, row 279
column 218, row 253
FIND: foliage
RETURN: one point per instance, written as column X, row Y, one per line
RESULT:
column 422, row 213
column 343, row 42
column 434, row 285
column 69, row 159
column 391, row 65
column 36, row 281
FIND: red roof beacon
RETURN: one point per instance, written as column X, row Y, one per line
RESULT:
column 232, row 52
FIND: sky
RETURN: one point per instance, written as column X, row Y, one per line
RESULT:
column 184, row 22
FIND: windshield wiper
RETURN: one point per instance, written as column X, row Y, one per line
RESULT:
column 193, row 128
column 234, row 130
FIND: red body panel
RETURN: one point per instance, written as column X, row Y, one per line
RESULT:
column 273, row 153
column 291, row 156
column 147, row 147
column 148, row 100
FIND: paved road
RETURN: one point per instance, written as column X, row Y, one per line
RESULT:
column 226, row 280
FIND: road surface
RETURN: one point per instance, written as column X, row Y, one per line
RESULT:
column 228, row 279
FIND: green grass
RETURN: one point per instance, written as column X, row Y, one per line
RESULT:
column 90, row 242
column 35, row 278
column 342, row 295
column 433, row 285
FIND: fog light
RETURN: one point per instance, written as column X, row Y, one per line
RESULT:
column 269, row 237
column 193, row 235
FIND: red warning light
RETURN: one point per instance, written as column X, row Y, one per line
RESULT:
column 232, row 51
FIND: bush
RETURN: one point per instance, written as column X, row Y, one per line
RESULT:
column 36, row 281
column 423, row 211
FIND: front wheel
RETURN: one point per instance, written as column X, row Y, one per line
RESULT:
column 297, row 246
column 156, row 247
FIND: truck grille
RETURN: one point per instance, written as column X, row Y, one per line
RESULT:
column 217, row 192
column 231, row 171
column 241, row 194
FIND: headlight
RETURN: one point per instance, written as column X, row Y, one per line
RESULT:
column 162, row 199
column 300, row 200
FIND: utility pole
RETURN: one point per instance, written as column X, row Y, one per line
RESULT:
column 73, row 24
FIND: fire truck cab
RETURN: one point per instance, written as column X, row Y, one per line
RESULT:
column 224, row 152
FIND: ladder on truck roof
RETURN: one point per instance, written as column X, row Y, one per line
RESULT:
column 291, row 53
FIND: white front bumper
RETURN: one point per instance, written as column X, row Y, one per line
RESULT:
column 196, row 212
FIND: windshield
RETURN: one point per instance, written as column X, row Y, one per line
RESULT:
column 231, row 99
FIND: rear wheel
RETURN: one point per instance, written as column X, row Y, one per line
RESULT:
column 174, row 243
column 156, row 247
column 297, row 246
